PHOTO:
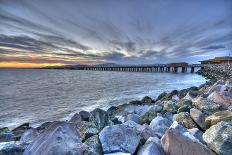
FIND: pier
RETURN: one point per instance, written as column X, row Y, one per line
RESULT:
column 172, row 67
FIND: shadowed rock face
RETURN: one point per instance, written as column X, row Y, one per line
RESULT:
column 59, row 139
column 119, row 138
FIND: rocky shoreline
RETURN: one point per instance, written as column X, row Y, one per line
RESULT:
column 193, row 121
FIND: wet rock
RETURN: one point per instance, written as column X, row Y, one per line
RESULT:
column 184, row 108
column 218, row 98
column 159, row 125
column 162, row 96
column 193, row 92
column 87, row 129
column 151, row 147
column 170, row 106
column 175, row 97
column 219, row 138
column 182, row 93
column 12, row 148
column 84, row 115
column 199, row 118
column 3, row 130
column 178, row 141
column 6, row 137
column 168, row 115
column 60, row 138
column 119, row 138
column 134, row 117
column 76, row 119
column 100, row 118
column 206, row 106
column 29, row 135
column 18, row 131
column 225, row 115
column 151, row 113
column 184, row 119
column 94, row 145
column 147, row 100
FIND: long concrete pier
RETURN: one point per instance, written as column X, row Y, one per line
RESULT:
column 173, row 67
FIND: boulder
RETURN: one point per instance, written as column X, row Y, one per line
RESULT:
column 134, row 117
column 100, row 118
column 60, row 138
column 184, row 119
column 168, row 115
column 18, row 131
column 170, row 106
column 151, row 147
column 159, row 125
column 76, row 119
column 119, row 138
column 199, row 118
column 218, row 98
column 147, row 100
column 184, row 108
column 6, row 136
column 94, row 145
column 182, row 93
column 151, row 113
column 12, row 148
column 84, row 115
column 184, row 102
column 87, row 129
column 197, row 134
column 4, row 129
column 162, row 96
column 206, row 106
column 225, row 115
column 219, row 138
column 178, row 141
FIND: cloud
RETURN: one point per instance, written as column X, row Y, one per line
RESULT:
column 214, row 47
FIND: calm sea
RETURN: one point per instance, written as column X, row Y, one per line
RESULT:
column 36, row 96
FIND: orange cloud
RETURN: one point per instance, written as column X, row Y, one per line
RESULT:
column 15, row 64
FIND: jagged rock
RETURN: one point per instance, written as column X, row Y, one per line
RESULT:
column 94, row 145
column 182, row 93
column 84, row 115
column 18, row 131
column 6, row 136
column 60, row 138
column 205, row 105
column 151, row 147
column 119, row 138
column 76, row 119
column 100, row 118
column 3, row 130
column 134, row 117
column 218, row 98
column 225, row 115
column 144, row 130
column 151, row 113
column 178, row 141
column 219, row 138
column 87, row 129
column 197, row 134
column 29, row 135
column 159, row 125
column 162, row 96
column 184, row 119
column 184, row 108
column 170, row 106
column 147, row 100
column 198, row 117
column 193, row 92
column 12, row 148
column 175, row 97
column 184, row 102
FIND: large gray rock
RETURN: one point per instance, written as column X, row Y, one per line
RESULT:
column 198, row 117
column 94, row 145
column 133, row 117
column 178, row 141
column 59, row 139
column 119, row 138
column 100, row 118
column 206, row 106
column 12, row 148
column 219, row 138
column 159, row 125
column 151, row 113
column 151, row 147
column 84, row 115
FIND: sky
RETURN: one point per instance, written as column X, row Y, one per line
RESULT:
column 37, row 33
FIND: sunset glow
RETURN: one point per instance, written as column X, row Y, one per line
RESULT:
column 27, row 65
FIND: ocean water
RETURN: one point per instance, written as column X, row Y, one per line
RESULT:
column 39, row 95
